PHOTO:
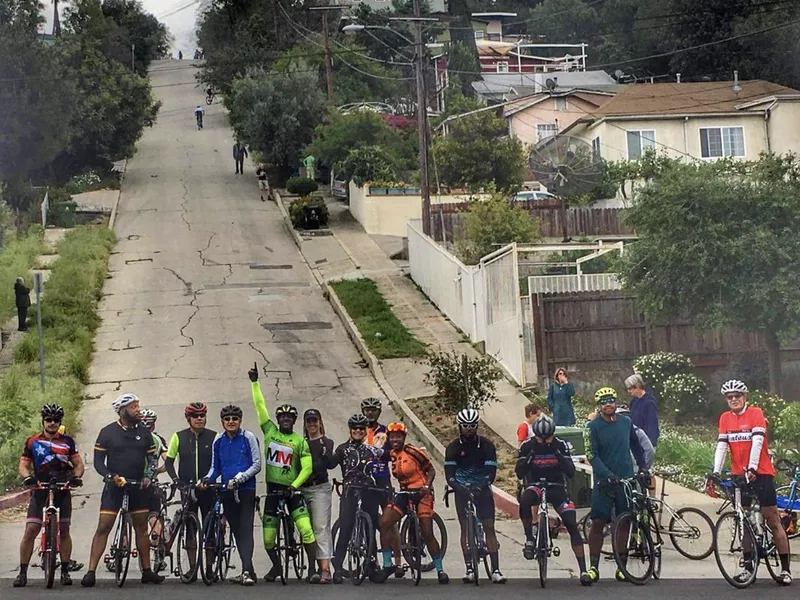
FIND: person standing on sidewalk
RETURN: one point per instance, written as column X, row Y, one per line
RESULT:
column 644, row 412
column 525, row 429
column 263, row 183
column 23, row 301
column 317, row 490
column 239, row 154
column 559, row 399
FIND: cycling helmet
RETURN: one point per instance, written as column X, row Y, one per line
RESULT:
column 622, row 409
column 123, row 401
column 544, row 427
column 397, row 428
column 734, row 386
column 148, row 416
column 230, row 411
column 195, row 409
column 468, row 416
column 371, row 402
column 286, row 409
column 52, row 411
column 605, row 392
column 358, row 420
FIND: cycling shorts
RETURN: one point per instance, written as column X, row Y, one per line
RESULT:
column 400, row 501
column 763, row 488
column 484, row 505
column 111, row 500
column 62, row 500
column 608, row 501
column 558, row 498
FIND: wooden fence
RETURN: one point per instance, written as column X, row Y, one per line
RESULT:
column 449, row 218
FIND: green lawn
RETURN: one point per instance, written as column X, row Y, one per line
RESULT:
column 383, row 332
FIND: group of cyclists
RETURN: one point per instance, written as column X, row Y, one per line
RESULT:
column 296, row 467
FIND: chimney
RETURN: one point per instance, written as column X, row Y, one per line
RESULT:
column 736, row 87
column 678, row 76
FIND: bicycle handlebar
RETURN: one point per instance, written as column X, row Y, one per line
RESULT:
column 787, row 466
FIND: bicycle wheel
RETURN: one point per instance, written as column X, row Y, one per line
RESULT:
column 298, row 554
column 209, row 100
column 731, row 537
column 542, row 548
column 188, row 537
column 586, row 526
column 225, row 550
column 788, row 503
column 361, row 548
column 159, row 552
column 210, row 549
column 122, row 543
column 439, row 532
column 415, row 545
column 692, row 533
column 474, row 547
column 283, row 546
column 50, row 545
column 633, row 548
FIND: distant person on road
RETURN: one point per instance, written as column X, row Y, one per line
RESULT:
column 644, row 412
column 559, row 399
column 23, row 300
column 198, row 114
column 317, row 491
column 263, row 182
column 180, row 55
column 239, row 154
column 525, row 429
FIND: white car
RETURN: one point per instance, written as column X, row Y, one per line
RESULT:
column 535, row 196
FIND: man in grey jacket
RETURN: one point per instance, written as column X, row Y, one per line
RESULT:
column 239, row 154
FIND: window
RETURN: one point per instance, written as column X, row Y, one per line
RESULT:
column 546, row 130
column 716, row 142
column 502, row 67
column 479, row 35
column 561, row 104
column 639, row 142
column 596, row 146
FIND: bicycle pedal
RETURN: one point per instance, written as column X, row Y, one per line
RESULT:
column 556, row 551
column 134, row 554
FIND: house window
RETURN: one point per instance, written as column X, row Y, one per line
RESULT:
column 502, row 67
column 561, row 104
column 639, row 142
column 716, row 142
column 546, row 130
column 596, row 146
column 479, row 35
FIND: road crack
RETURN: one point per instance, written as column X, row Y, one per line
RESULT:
column 184, row 204
column 186, row 284
column 263, row 356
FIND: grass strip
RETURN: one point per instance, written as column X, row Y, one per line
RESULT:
column 16, row 259
column 383, row 332
column 69, row 320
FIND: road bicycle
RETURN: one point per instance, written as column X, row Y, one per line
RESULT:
column 214, row 558
column 741, row 538
column 184, row 528
column 361, row 558
column 789, row 498
column 288, row 542
column 544, row 542
column 635, row 553
column 412, row 547
column 50, row 547
column 476, row 537
column 210, row 98
column 120, row 553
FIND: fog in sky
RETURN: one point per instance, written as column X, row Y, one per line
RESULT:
column 180, row 17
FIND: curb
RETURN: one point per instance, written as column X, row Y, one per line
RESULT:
column 113, row 218
column 15, row 499
column 503, row 500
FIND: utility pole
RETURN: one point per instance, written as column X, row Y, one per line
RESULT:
column 327, row 44
column 56, row 20
column 422, row 121
column 37, row 286
column 133, row 57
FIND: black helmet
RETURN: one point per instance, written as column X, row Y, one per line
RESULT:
column 52, row 411
column 230, row 411
column 358, row 420
column 371, row 402
column 544, row 427
column 286, row 409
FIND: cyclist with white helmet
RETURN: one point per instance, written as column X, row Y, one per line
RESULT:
column 743, row 431
column 124, row 450
column 470, row 464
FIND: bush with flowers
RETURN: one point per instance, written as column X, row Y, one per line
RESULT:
column 770, row 404
column 787, row 430
column 657, row 368
column 685, row 397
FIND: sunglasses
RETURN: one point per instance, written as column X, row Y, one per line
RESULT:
column 358, row 429
column 197, row 417
column 231, row 419
column 51, row 420
column 734, row 396
column 470, row 427
column 607, row 400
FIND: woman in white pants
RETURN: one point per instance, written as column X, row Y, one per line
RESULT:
column 317, row 489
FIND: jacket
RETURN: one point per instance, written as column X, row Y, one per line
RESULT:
column 239, row 152
column 644, row 414
column 231, row 456
column 193, row 453
column 23, row 295
column 559, row 399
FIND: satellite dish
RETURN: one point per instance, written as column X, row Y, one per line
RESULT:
column 619, row 74
column 566, row 165
column 550, row 84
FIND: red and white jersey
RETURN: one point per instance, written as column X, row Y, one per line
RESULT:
column 738, row 431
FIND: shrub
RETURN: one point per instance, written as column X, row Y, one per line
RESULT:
column 302, row 186
column 689, row 454
column 463, row 382
column 658, row 367
column 685, row 396
column 788, row 427
column 770, row 404
column 299, row 217
column 370, row 163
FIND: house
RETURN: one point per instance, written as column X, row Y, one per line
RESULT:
column 702, row 120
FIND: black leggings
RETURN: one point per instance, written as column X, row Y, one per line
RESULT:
column 240, row 519
column 347, row 516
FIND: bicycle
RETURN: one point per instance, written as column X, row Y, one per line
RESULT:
column 120, row 553
column 288, row 542
column 789, row 498
column 408, row 545
column 361, row 558
column 635, row 526
column 218, row 543
column 476, row 537
column 184, row 529
column 50, row 546
column 739, row 532
column 210, row 98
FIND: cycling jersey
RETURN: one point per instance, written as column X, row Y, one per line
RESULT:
column 232, row 456
column 358, row 461
column 539, row 460
column 471, row 462
column 129, row 452
column 288, row 457
column 51, row 457
column 746, row 436
column 410, row 466
column 376, row 437
column 194, row 451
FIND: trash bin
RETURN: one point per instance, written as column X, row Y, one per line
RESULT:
column 580, row 486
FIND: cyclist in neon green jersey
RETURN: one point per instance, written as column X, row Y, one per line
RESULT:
column 288, row 465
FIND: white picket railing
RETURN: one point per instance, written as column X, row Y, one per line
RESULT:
column 567, row 284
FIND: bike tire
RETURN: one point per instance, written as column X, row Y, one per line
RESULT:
column 50, row 549
column 643, row 550
column 224, row 561
column 159, row 553
column 210, row 546
column 188, row 535
column 542, row 548
column 772, row 560
column 209, row 100
column 361, row 548
column 438, row 525
column 283, row 546
column 586, row 526
column 789, row 501
column 299, row 557
column 703, row 526
column 416, row 549
column 730, row 533
column 122, row 556
column 474, row 552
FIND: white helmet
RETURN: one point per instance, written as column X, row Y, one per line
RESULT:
column 733, row 385
column 468, row 416
column 124, row 401
column 148, row 416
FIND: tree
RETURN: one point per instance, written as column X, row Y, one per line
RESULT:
column 477, row 151
column 493, row 223
column 563, row 21
column 719, row 243
column 275, row 114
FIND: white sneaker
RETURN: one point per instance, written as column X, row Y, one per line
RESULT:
column 469, row 577
column 498, row 577
column 785, row 578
